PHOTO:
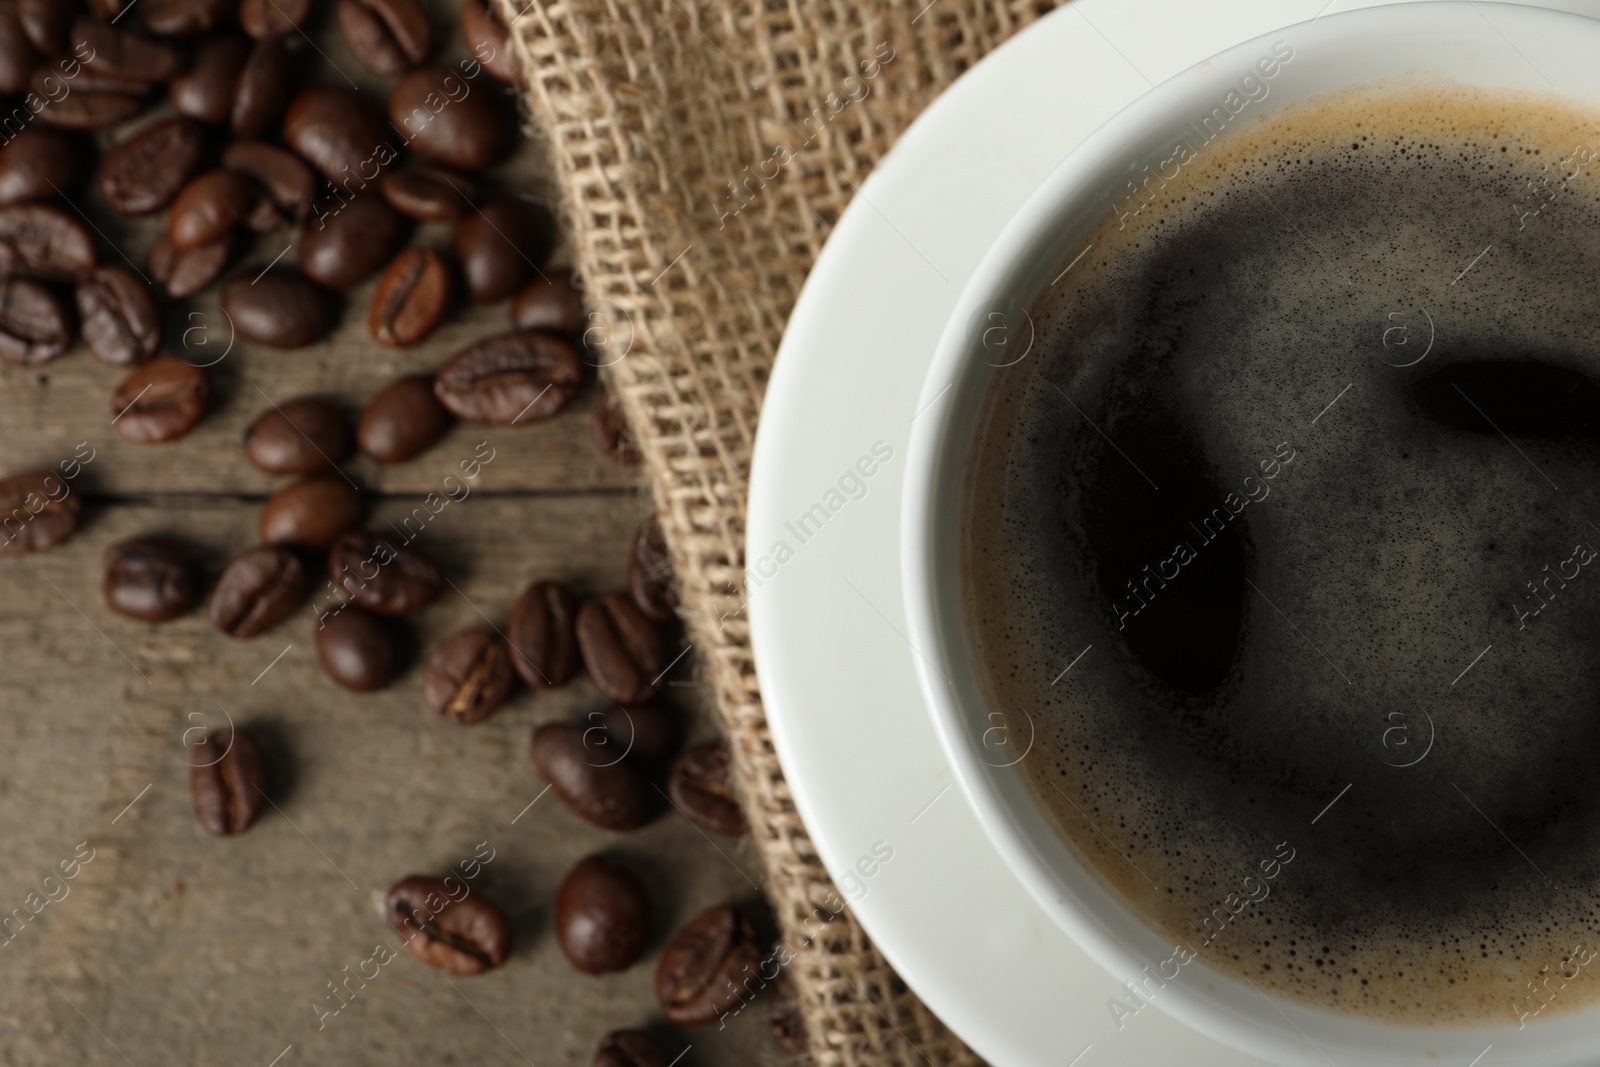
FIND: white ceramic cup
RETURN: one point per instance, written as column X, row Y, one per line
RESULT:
column 1485, row 45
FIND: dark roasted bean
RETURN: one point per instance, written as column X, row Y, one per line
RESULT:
column 281, row 173
column 340, row 134
column 540, row 635
column 602, row 916
column 511, row 379
column 700, row 786
column 587, row 775
column 468, row 676
column 433, row 194
column 264, row 86
column 704, row 970
column 120, row 321
column 487, row 40
column 551, row 302
column 48, row 23
column 383, row 574
column 281, row 308
column 311, row 513
column 500, row 246
column 160, row 401
column 622, row 649
column 125, row 56
column 152, row 579
column 272, row 18
column 359, row 650
column 227, row 781
column 647, row 733
column 206, row 90
column 388, row 36
column 411, row 298
column 209, row 207
column 449, row 926
column 447, row 119
column 611, row 433
column 41, row 162
column 184, row 274
column 306, row 435
column 344, row 248
column 402, row 421
column 629, row 1048
column 38, row 511
column 144, row 173
column 35, row 322
column 17, row 57
column 88, row 102
column 184, row 18
column 783, row 1011
column 44, row 241
column 257, row 591
column 650, row 573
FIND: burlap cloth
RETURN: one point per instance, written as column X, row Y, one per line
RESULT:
column 705, row 149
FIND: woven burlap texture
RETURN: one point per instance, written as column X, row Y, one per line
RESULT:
column 704, row 152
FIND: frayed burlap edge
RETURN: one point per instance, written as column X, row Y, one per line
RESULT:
column 704, row 152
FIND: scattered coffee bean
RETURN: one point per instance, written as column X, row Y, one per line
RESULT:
column 511, row 379
column 412, row 297
column 209, row 206
column 388, row 36
column 257, row 591
column 699, row 785
column 48, row 23
column 611, row 433
column 207, row 89
column 120, row 320
column 151, row 578
column 702, row 974
column 289, row 183
column 43, row 241
column 429, row 193
column 184, row 18
column 602, row 916
column 227, row 781
column 783, row 1010
column 540, row 635
column 183, row 274
column 311, row 513
column 550, row 302
column 144, row 173
column 125, row 56
column 35, row 322
column 340, row 134
column 487, row 39
column 264, row 86
column 646, row 733
column 622, row 649
column 650, row 573
column 447, row 925
column 499, row 247
column 445, row 119
column 273, row 18
column 468, row 676
column 282, row 309
column 87, row 102
column 359, row 650
column 306, row 435
column 384, row 574
column 17, row 57
column 40, row 163
column 38, row 511
column 344, row 248
column 160, row 401
column 586, row 774
column 402, row 421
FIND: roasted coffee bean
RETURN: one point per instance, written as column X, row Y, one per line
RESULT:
column 384, row 574
column 41, row 162
column 107, row 9
column 432, row 194
column 206, row 90
column 284, row 175
column 388, row 36
column 340, row 134
column 48, row 23
column 650, row 573
column 622, row 649
column 448, row 926
column 402, row 421
column 499, row 247
column 783, row 1011
column 445, row 118
column 646, row 733
column 602, row 916
column 611, row 434
column 183, row 274
column 699, row 785
column 160, row 401
column 311, row 513
column 127, row 57
column 257, row 591
column 120, row 321
column 17, row 57
column 345, row 247
column 86, row 102
column 587, row 775
column 511, row 379
column 264, row 86
column 468, row 676
column 38, row 511
column 540, row 634
column 184, row 18
column 210, row 206
column 145, row 173
column 550, row 302
column 487, row 39
column 151, row 578
column 227, row 780
column 35, row 322
column 273, row 18
column 306, row 435
column 43, row 241
column 412, row 297
column 281, row 309
column 704, row 970
column 359, row 650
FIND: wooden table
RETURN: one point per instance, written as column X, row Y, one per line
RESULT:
column 173, row 947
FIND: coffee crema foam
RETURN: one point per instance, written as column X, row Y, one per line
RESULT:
column 1286, row 547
